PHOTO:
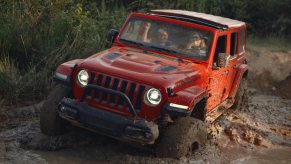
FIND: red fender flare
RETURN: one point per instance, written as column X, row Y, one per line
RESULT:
column 242, row 69
column 68, row 67
column 189, row 97
column 64, row 72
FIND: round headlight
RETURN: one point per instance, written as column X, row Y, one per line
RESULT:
column 83, row 78
column 153, row 97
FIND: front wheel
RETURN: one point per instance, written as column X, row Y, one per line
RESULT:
column 183, row 137
column 50, row 122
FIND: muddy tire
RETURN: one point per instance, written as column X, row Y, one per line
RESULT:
column 50, row 122
column 241, row 95
column 186, row 135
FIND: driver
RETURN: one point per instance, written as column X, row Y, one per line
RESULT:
column 162, row 37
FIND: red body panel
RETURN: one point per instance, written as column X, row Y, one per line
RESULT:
column 68, row 67
column 188, row 97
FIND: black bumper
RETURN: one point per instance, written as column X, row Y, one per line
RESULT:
column 129, row 129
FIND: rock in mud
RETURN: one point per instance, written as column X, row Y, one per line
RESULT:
column 3, row 118
column 258, row 140
column 233, row 134
column 248, row 136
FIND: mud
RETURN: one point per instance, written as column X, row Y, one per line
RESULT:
column 258, row 133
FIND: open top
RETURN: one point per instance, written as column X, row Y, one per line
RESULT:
column 200, row 18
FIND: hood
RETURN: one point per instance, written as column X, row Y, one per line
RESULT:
column 152, row 69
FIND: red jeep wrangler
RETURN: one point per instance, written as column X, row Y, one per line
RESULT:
column 167, row 72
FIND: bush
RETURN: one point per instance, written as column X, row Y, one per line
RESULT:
column 9, row 78
column 39, row 35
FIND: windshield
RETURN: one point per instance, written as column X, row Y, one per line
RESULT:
column 163, row 36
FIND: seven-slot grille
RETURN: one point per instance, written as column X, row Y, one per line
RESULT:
column 133, row 90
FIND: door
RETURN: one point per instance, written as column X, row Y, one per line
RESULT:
column 218, row 76
column 231, row 68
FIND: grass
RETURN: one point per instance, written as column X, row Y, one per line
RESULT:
column 36, row 37
column 9, row 76
column 269, row 43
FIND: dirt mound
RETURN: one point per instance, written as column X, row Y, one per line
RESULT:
column 284, row 87
column 270, row 71
column 11, row 118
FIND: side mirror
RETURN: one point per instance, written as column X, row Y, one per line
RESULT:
column 112, row 34
column 223, row 60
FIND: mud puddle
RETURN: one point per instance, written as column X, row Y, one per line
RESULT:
column 278, row 156
column 259, row 133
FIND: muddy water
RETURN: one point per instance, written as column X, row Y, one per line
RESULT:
column 273, row 156
column 260, row 133
column 232, row 155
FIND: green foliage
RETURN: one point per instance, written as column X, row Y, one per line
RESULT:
column 270, row 17
column 9, row 77
column 39, row 35
column 264, row 17
column 269, row 44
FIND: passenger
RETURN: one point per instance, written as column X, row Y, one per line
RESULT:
column 162, row 37
column 196, row 42
column 144, row 32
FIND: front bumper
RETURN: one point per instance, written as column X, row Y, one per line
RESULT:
column 129, row 129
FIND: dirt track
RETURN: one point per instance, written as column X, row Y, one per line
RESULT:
column 259, row 133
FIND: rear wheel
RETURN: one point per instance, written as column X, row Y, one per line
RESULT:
column 50, row 121
column 186, row 135
column 241, row 94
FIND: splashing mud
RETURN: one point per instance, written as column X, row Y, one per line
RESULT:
column 259, row 133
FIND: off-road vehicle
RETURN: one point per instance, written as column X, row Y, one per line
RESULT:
column 165, row 75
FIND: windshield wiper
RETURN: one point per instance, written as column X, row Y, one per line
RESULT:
column 178, row 59
column 164, row 49
column 132, row 42
column 153, row 47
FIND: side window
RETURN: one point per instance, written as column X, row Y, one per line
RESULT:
column 233, row 43
column 242, row 41
column 220, row 47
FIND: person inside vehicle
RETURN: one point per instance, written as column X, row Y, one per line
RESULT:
column 160, row 39
column 144, row 32
column 196, row 42
column 196, row 45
